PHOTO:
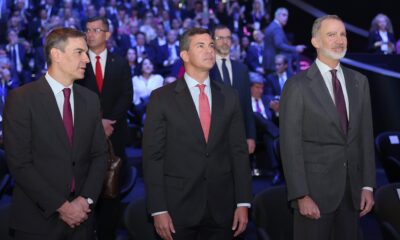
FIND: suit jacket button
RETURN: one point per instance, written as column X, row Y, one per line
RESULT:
column 73, row 163
column 207, row 154
column 344, row 164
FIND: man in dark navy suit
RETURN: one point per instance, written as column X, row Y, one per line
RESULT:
column 235, row 74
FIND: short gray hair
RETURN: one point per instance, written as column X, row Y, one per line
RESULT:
column 279, row 11
column 317, row 23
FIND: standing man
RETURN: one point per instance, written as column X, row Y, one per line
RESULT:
column 55, row 144
column 108, row 75
column 195, row 159
column 327, row 141
column 276, row 42
column 235, row 74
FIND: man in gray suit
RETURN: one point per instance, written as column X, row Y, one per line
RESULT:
column 327, row 141
column 276, row 42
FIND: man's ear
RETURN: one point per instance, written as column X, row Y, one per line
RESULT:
column 55, row 55
column 315, row 42
column 184, row 55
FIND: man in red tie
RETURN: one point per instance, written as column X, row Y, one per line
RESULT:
column 195, row 158
column 55, row 144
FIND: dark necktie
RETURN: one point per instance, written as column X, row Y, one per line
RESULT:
column 339, row 101
column 68, row 123
column 99, row 74
column 225, row 73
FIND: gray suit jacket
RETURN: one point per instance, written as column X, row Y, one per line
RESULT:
column 317, row 156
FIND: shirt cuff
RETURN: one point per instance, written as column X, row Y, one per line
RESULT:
column 368, row 188
column 158, row 213
column 244, row 205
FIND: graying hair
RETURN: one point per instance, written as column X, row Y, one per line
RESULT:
column 317, row 23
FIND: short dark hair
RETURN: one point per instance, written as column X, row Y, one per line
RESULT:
column 58, row 38
column 184, row 41
column 104, row 20
column 219, row 27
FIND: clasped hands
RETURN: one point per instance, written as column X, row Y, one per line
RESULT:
column 74, row 213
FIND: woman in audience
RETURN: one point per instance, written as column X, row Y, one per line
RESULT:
column 381, row 39
column 144, row 84
column 131, row 56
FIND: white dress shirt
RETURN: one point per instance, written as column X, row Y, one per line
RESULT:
column 57, row 89
column 103, row 60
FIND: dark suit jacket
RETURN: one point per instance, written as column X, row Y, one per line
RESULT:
column 241, row 83
column 375, row 37
column 266, row 125
column 275, row 42
column 41, row 159
column 116, row 96
column 252, row 57
column 183, row 174
column 317, row 156
column 272, row 86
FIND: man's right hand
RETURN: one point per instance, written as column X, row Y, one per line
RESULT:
column 108, row 126
column 164, row 226
column 308, row 208
column 72, row 214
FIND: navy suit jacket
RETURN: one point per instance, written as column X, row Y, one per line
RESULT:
column 252, row 57
column 240, row 75
column 375, row 37
column 272, row 87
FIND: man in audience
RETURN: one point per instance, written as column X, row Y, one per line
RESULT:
column 195, row 160
column 236, row 75
column 275, row 42
column 255, row 52
column 108, row 75
column 265, row 126
column 55, row 144
column 327, row 141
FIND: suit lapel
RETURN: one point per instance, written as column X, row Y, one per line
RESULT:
column 79, row 111
column 55, row 120
column 108, row 73
column 235, row 80
column 187, row 108
column 352, row 94
column 91, row 78
column 217, row 109
column 318, row 87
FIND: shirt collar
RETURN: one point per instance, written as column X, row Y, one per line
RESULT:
column 323, row 68
column 102, row 55
column 55, row 86
column 219, row 58
column 191, row 82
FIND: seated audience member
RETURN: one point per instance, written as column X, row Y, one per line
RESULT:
column 267, row 131
column 275, row 81
column 254, row 57
column 144, row 84
column 131, row 56
column 381, row 38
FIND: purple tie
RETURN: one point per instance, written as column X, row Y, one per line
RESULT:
column 67, row 115
column 339, row 101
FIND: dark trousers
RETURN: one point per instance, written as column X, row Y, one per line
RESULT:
column 108, row 214
column 207, row 229
column 342, row 224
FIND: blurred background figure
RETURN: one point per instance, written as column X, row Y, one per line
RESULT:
column 381, row 38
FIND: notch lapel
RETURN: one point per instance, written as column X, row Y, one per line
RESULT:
column 353, row 98
column 79, row 112
column 188, row 109
column 217, row 110
column 318, row 87
column 55, row 120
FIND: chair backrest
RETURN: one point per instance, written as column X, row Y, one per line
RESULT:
column 138, row 222
column 272, row 213
column 387, row 208
column 387, row 146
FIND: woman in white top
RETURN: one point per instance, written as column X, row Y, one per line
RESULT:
column 144, row 84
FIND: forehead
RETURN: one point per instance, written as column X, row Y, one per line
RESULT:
column 201, row 38
column 224, row 31
column 97, row 23
column 76, row 43
column 332, row 25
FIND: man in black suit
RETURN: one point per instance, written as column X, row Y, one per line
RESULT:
column 108, row 75
column 326, row 140
column 195, row 159
column 55, row 144
column 235, row 74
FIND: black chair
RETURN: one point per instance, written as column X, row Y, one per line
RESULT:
column 138, row 222
column 272, row 214
column 388, row 152
column 387, row 208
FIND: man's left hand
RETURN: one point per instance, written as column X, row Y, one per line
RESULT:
column 251, row 145
column 240, row 220
column 367, row 202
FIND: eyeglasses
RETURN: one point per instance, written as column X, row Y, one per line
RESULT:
column 218, row 38
column 95, row 30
